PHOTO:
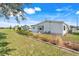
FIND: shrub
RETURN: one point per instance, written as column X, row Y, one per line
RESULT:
column 44, row 39
column 57, row 40
column 19, row 28
column 36, row 36
column 24, row 32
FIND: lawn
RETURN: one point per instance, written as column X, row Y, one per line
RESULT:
column 72, row 37
column 27, row 46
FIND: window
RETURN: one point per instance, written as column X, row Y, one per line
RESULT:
column 33, row 27
column 41, row 28
column 64, row 28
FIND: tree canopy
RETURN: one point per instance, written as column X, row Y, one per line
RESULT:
column 12, row 9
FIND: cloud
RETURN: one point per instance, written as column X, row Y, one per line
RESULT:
column 69, row 13
column 59, row 9
column 68, row 8
column 37, row 9
column 77, row 12
column 32, row 10
column 7, row 24
column 29, row 10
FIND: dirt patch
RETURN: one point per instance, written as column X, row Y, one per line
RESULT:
column 72, row 45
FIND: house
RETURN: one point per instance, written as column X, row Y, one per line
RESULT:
column 74, row 29
column 52, row 27
column 25, row 27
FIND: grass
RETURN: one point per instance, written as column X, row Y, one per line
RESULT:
column 74, row 37
column 27, row 46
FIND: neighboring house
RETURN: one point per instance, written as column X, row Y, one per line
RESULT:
column 74, row 29
column 25, row 27
column 52, row 27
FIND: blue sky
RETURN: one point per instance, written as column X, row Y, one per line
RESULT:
column 37, row 12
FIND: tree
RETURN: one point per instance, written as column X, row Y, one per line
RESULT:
column 12, row 9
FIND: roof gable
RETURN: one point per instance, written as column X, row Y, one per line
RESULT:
column 49, row 21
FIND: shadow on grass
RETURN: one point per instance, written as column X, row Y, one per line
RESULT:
column 4, row 50
column 75, row 33
column 3, row 35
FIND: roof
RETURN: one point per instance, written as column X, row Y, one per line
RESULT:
column 48, row 21
column 62, row 22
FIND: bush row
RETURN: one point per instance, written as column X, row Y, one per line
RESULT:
column 24, row 32
column 57, row 40
column 53, row 39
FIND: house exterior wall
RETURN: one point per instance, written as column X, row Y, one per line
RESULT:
column 66, row 29
column 74, row 30
column 53, row 28
column 34, row 29
column 25, row 27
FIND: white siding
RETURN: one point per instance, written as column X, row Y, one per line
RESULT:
column 66, row 29
column 34, row 29
column 54, row 28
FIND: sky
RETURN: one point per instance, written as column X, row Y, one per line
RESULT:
column 37, row 12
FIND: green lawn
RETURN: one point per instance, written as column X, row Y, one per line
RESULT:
column 25, row 46
column 72, row 37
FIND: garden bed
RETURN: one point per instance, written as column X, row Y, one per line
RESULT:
column 57, row 40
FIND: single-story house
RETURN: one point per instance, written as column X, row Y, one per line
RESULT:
column 52, row 27
column 74, row 29
column 25, row 27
